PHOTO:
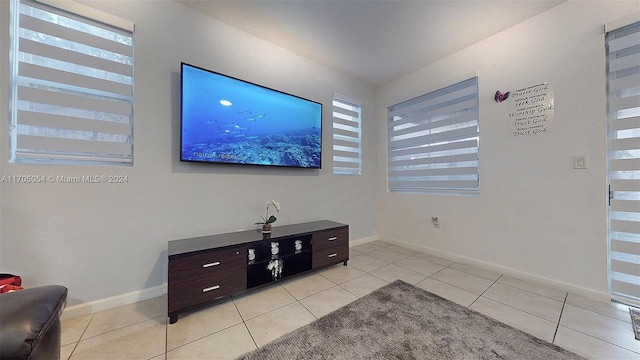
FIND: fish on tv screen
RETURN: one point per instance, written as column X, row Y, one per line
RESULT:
column 227, row 120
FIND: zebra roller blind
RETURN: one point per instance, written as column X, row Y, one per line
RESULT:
column 71, row 87
column 347, row 132
column 623, row 88
column 433, row 141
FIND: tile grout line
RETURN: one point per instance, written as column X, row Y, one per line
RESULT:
column 81, row 335
column 555, row 333
column 244, row 322
column 485, row 290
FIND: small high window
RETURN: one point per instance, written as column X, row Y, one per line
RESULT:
column 347, row 114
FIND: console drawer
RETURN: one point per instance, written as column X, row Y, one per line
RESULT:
column 206, row 289
column 205, row 264
column 329, row 238
column 331, row 255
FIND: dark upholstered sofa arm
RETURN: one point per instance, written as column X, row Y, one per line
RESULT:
column 30, row 322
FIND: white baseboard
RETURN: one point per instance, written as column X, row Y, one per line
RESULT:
column 74, row 311
column 362, row 240
column 571, row 288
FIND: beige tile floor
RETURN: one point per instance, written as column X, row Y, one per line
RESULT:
column 242, row 323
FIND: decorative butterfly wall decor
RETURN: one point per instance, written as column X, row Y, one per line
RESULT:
column 500, row 97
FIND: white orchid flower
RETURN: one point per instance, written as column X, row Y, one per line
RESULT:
column 273, row 203
column 270, row 219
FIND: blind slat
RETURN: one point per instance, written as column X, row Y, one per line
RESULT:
column 627, row 247
column 452, row 135
column 430, row 185
column 459, row 119
column 625, row 62
column 351, row 143
column 100, row 17
column 623, row 83
column 46, row 144
column 625, row 185
column 628, row 102
column 73, row 101
column 73, row 159
column 624, row 164
column 625, row 124
column 73, row 79
column 345, row 164
column 53, row 52
column 348, row 154
column 624, row 144
column 624, row 42
column 349, row 123
column 67, row 33
column 431, row 99
column 627, row 226
column 347, row 133
column 625, row 205
column 393, row 164
column 421, row 116
column 435, row 172
column 625, row 267
column 626, row 289
column 459, row 145
column 69, row 122
column 337, row 110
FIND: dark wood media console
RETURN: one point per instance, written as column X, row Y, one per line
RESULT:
column 207, row 268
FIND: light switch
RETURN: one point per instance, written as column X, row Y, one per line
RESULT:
column 580, row 162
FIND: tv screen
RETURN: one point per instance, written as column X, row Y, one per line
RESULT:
column 227, row 120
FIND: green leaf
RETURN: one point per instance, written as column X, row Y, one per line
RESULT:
column 271, row 219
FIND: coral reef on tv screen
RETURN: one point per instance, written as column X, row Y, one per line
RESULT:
column 227, row 120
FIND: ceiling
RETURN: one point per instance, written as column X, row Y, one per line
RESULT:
column 372, row 41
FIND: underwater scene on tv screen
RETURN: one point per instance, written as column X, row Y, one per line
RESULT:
column 226, row 120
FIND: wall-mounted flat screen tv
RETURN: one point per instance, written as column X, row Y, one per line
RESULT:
column 227, row 120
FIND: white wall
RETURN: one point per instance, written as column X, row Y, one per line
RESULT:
column 535, row 216
column 104, row 240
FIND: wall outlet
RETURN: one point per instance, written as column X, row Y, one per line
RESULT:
column 435, row 221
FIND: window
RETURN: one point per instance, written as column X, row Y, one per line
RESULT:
column 433, row 141
column 623, row 88
column 347, row 115
column 71, row 85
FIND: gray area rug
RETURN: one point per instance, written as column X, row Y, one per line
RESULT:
column 401, row 321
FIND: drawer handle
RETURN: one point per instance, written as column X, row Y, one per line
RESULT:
column 210, row 288
column 333, row 238
column 211, row 264
column 332, row 255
